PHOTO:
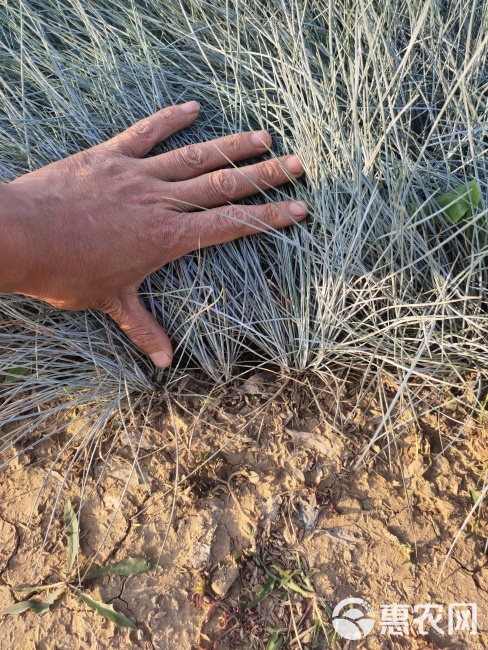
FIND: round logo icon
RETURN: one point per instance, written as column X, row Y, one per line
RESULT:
column 352, row 623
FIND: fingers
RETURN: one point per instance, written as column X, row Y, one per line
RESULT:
column 225, row 185
column 233, row 221
column 196, row 159
column 143, row 330
column 138, row 140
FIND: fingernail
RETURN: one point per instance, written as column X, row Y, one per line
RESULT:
column 294, row 165
column 260, row 138
column 160, row 359
column 190, row 107
column 298, row 208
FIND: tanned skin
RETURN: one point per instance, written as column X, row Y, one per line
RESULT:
column 84, row 232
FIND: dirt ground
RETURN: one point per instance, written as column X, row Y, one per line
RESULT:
column 266, row 485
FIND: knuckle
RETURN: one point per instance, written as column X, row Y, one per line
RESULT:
column 164, row 235
column 267, row 214
column 96, row 160
column 167, row 116
column 138, row 333
column 235, row 142
column 224, row 183
column 135, row 190
column 144, row 129
column 112, row 165
column 193, row 156
column 111, row 306
column 118, row 309
column 231, row 222
column 268, row 172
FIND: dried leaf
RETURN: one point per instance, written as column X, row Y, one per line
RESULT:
column 72, row 532
column 307, row 512
column 258, row 384
column 310, row 440
column 344, row 537
column 28, row 588
column 252, row 477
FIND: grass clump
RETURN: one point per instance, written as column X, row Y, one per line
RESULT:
column 385, row 102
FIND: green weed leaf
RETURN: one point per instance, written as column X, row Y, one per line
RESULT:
column 303, row 592
column 286, row 581
column 264, row 592
column 475, row 495
column 259, row 561
column 107, row 611
column 458, row 202
column 38, row 607
column 275, row 641
column 72, row 532
column 285, row 575
column 316, row 633
column 14, row 373
column 18, row 608
column 131, row 566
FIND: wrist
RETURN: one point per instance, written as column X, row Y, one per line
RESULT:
column 16, row 241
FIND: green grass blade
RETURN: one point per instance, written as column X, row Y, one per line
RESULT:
column 275, row 641
column 264, row 592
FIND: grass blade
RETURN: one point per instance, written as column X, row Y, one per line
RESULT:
column 72, row 533
column 275, row 641
column 264, row 592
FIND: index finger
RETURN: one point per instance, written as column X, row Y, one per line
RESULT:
column 138, row 140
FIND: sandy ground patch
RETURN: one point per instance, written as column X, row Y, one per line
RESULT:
column 276, row 494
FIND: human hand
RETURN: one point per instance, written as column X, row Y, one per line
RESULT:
column 95, row 224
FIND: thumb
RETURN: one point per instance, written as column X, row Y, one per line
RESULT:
column 143, row 330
